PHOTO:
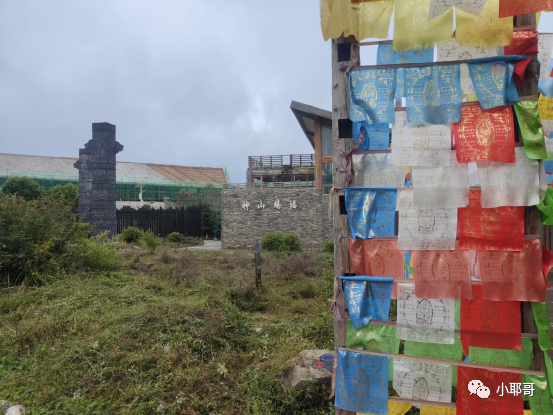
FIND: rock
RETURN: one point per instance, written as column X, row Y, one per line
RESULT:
column 312, row 367
column 16, row 410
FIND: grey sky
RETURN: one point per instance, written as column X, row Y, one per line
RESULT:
column 200, row 83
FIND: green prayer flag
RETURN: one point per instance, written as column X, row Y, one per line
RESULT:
column 502, row 357
column 546, row 208
column 528, row 115
column 542, row 323
column 376, row 337
column 457, row 314
column 452, row 352
column 549, row 371
column 540, row 399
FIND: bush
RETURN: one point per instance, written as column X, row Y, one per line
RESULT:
column 247, row 299
column 151, row 240
column 176, row 238
column 68, row 192
column 277, row 241
column 328, row 247
column 305, row 290
column 25, row 187
column 132, row 235
column 211, row 222
column 94, row 254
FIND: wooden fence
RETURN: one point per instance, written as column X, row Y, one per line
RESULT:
column 162, row 222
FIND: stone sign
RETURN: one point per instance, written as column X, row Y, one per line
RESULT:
column 97, row 181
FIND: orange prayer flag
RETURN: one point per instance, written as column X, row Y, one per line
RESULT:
column 484, row 229
column 517, row 7
column 485, row 135
column 442, row 274
column 513, row 276
column 491, row 324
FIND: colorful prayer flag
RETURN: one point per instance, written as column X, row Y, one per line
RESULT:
column 498, row 403
column 525, row 42
column 492, row 324
column 540, row 399
column 335, row 17
column 375, row 170
column 528, row 115
column 371, row 94
column 396, row 408
column 517, row 7
column 371, row 211
column 503, row 357
column 362, row 383
column 375, row 136
column 370, row 19
column 483, row 229
column 367, row 298
column 513, row 276
column 543, row 324
column 442, row 274
column 422, row 381
column 439, row 7
column 437, row 410
column 486, row 30
column 433, row 94
column 485, row 135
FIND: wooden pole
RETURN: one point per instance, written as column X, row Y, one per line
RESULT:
column 318, row 141
column 257, row 266
column 340, row 118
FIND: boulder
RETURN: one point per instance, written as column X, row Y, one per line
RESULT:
column 16, row 410
column 311, row 368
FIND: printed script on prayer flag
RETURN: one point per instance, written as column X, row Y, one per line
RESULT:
column 525, row 42
column 370, row 19
column 513, row 276
column 499, row 229
column 485, row 135
column 439, row 7
column 528, row 115
column 442, row 274
column 493, row 81
column 452, row 352
column 517, row 7
column 485, row 30
column 472, row 404
column 377, row 258
column 375, row 170
column 424, row 229
column 540, row 400
column 367, row 300
column 452, row 51
column 436, row 410
column 371, row 211
column 362, row 383
column 492, row 324
column 372, row 93
column 510, row 184
column 502, row 357
column 420, row 144
column 375, row 136
column 545, row 43
column 543, row 324
column 441, row 187
column 422, row 381
column 433, row 94
column 424, row 320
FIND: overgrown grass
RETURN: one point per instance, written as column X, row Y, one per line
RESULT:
column 171, row 332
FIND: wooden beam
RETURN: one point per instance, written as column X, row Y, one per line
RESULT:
column 340, row 111
column 318, row 140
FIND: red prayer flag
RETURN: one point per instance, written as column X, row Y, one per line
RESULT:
column 485, row 135
column 442, row 274
column 525, row 42
column 377, row 258
column 547, row 258
column 499, row 402
column 513, row 276
column 516, row 7
column 484, row 229
column 520, row 70
column 491, row 324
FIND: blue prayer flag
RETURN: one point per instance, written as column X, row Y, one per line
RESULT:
column 362, row 383
column 375, row 137
column 493, row 80
column 433, row 94
column 548, row 166
column 371, row 211
column 372, row 93
column 386, row 55
column 545, row 87
column 549, row 178
column 368, row 298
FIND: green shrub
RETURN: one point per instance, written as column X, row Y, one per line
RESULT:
column 328, row 247
column 25, row 187
column 132, row 235
column 247, row 299
column 277, row 241
column 68, row 192
column 176, row 238
column 94, row 254
column 304, row 290
column 151, row 240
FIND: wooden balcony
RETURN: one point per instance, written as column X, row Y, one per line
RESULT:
column 280, row 161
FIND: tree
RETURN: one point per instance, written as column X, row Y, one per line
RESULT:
column 25, row 187
column 68, row 192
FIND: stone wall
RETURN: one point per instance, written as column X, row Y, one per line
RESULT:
column 302, row 211
column 96, row 167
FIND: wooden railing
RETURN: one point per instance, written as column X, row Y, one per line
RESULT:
column 293, row 160
column 269, row 185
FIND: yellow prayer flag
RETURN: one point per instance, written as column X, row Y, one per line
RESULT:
column 395, row 408
column 335, row 17
column 437, row 410
column 486, row 30
column 413, row 30
column 527, row 412
column 370, row 19
column 538, row 17
column 546, row 108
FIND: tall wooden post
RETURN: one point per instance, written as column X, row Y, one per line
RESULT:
column 344, row 49
column 318, row 141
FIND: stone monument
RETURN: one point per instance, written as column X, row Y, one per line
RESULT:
column 96, row 165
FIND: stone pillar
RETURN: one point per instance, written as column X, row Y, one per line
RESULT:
column 96, row 165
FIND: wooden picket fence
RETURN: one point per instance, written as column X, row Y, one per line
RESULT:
column 162, row 222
